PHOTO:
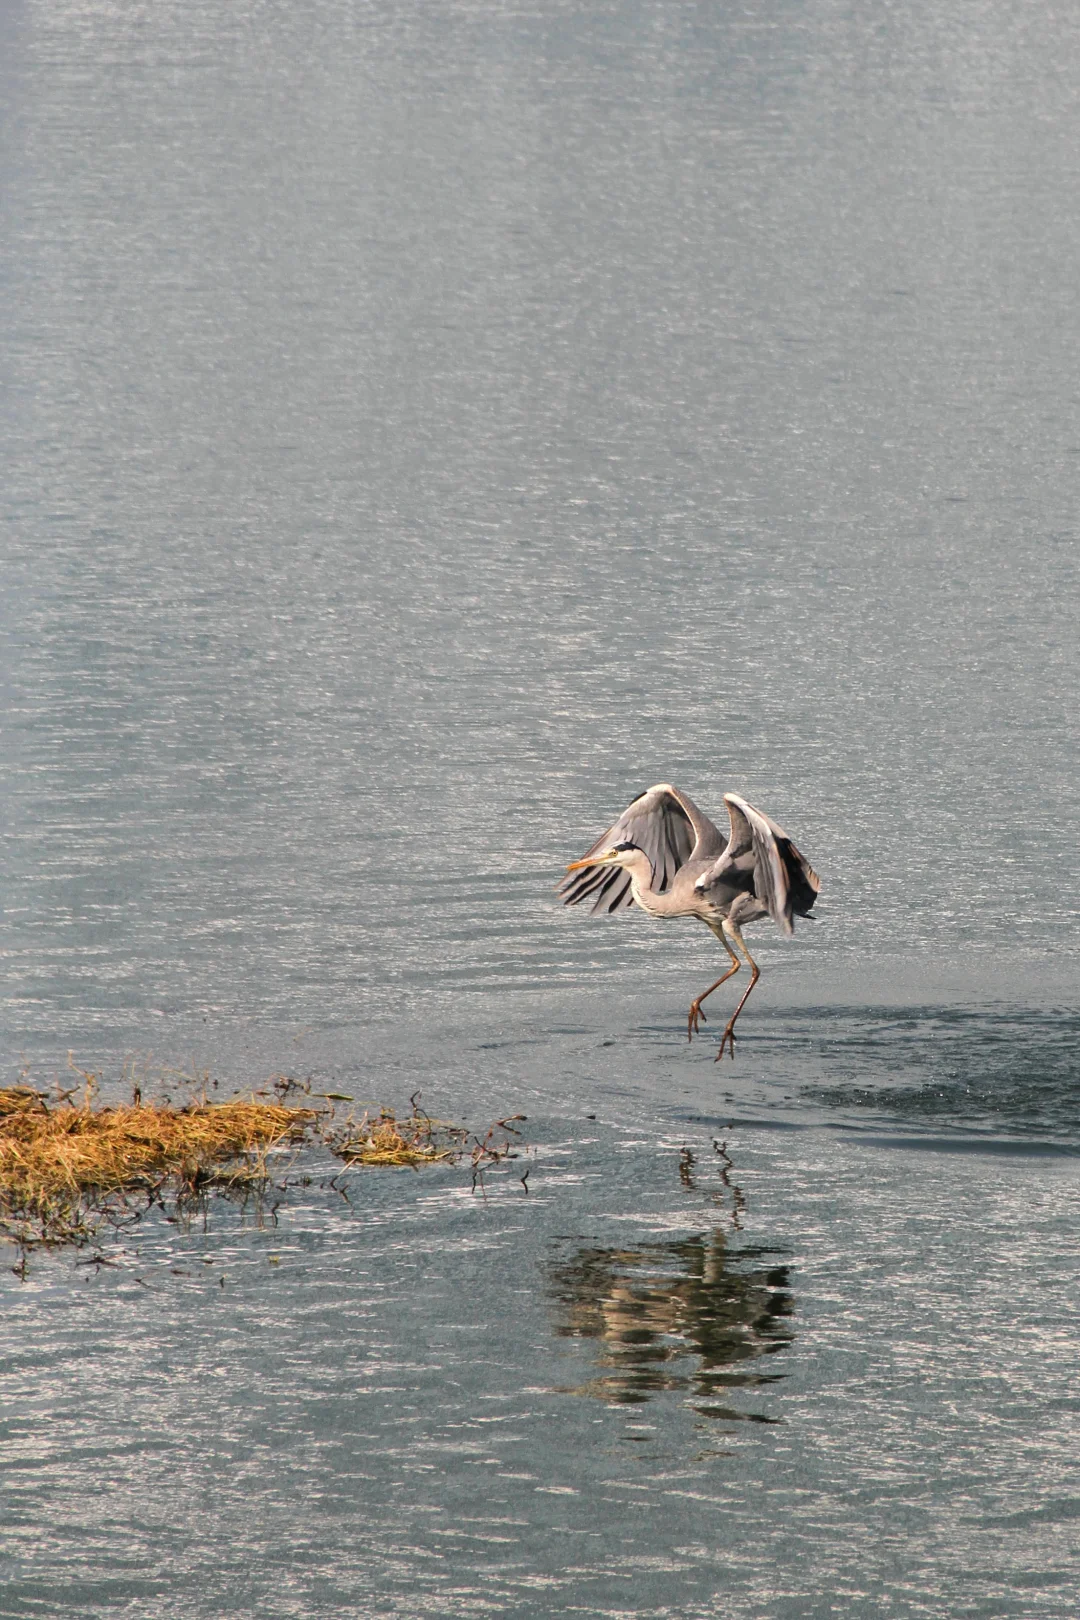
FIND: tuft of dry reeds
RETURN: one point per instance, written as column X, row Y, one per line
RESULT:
column 384, row 1139
column 62, row 1168
column 69, row 1166
column 418, row 1139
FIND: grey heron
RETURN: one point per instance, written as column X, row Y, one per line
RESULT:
column 666, row 856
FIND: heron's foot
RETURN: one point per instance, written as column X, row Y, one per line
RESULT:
column 694, row 1020
column 727, row 1039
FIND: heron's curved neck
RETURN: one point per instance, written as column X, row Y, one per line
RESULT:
column 640, row 869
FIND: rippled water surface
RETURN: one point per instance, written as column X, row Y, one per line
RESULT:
column 423, row 426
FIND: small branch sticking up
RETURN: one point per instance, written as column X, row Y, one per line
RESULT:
column 492, row 1150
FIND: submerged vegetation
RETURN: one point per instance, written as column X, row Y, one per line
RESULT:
column 69, row 1166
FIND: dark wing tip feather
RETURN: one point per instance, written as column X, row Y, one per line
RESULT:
column 579, row 885
column 608, row 887
column 613, row 892
column 783, row 877
column 803, row 881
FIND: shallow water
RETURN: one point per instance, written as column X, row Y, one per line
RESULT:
column 423, row 427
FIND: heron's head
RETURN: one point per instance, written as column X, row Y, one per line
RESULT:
column 617, row 855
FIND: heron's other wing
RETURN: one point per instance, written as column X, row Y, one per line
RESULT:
column 658, row 824
column 708, row 839
column 783, row 877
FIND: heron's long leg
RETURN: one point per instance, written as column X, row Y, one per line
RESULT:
column 731, row 932
column 695, row 1017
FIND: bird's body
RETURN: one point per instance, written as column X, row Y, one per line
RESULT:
column 664, row 855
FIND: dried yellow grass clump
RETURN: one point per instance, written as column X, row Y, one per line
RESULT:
column 388, row 1140
column 67, row 1167
column 419, row 1139
column 60, row 1164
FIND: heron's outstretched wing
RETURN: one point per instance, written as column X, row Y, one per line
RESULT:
column 783, row 878
column 663, row 823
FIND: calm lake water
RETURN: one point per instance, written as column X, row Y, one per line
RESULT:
column 424, row 425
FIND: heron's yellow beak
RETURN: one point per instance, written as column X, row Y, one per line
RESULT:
column 592, row 860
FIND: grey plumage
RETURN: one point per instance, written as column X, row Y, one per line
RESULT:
column 664, row 855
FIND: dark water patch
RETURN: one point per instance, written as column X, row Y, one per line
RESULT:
column 725, row 1122
column 1063, row 1511
column 729, row 1415
column 1019, row 1067
column 996, row 1146
column 961, row 1141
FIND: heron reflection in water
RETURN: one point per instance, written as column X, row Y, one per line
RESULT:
column 655, row 1307
column 665, row 855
